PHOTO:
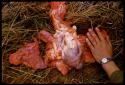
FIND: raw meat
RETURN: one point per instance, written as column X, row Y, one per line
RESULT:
column 64, row 49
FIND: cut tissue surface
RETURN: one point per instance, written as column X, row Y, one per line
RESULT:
column 64, row 50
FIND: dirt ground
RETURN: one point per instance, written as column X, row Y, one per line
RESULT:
column 22, row 20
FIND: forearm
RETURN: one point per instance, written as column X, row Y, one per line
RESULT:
column 110, row 67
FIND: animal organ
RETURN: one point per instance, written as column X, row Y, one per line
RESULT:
column 64, row 49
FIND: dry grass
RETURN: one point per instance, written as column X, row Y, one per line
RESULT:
column 22, row 20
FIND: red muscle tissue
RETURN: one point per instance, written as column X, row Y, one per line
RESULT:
column 28, row 55
column 64, row 49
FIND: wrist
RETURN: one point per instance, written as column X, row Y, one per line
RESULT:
column 110, row 67
column 104, row 60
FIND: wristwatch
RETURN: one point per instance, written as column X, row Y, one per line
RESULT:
column 105, row 60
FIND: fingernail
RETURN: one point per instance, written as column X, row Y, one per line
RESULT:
column 97, row 28
column 87, row 39
column 87, row 33
column 90, row 29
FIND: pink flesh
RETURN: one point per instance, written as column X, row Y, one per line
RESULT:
column 28, row 55
column 64, row 49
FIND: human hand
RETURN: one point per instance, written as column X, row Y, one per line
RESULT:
column 99, row 44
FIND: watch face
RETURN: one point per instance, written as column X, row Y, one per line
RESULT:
column 104, row 60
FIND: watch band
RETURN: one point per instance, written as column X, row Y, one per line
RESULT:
column 105, row 60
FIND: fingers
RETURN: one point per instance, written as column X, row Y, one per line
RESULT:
column 94, row 39
column 108, row 40
column 99, row 34
column 94, row 35
column 106, row 37
column 89, row 44
column 91, row 39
